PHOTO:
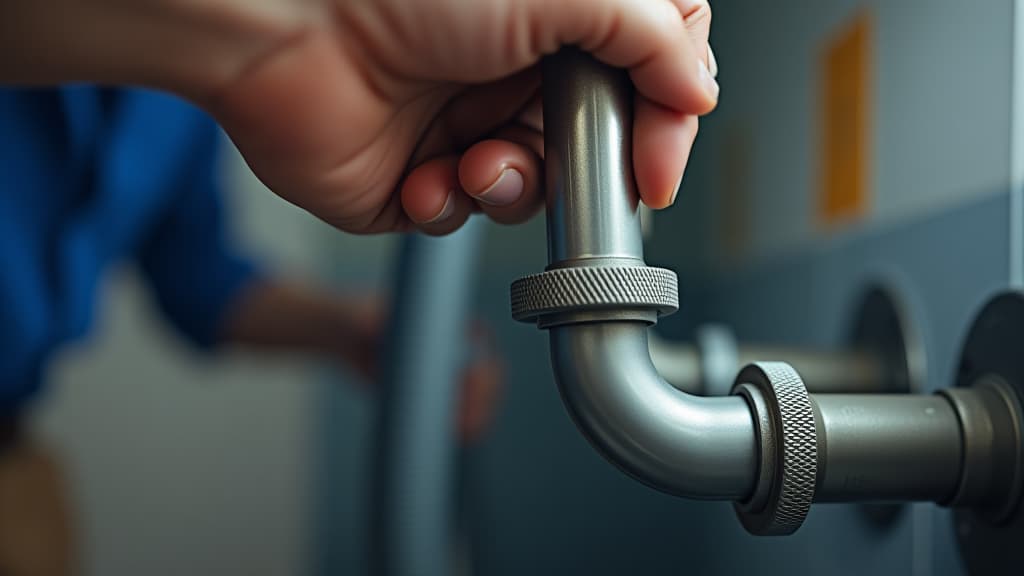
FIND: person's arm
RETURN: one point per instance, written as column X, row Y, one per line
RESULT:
column 280, row 316
column 277, row 316
column 383, row 115
column 184, row 46
column 217, row 297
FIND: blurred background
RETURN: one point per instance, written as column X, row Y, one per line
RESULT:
column 855, row 142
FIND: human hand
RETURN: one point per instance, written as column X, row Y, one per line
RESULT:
column 382, row 114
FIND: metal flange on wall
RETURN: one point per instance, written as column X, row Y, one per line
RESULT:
column 988, row 398
column 770, row 446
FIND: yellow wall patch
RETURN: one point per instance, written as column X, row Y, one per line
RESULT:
column 845, row 124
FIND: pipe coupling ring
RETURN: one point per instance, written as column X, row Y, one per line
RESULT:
column 578, row 294
column 788, row 446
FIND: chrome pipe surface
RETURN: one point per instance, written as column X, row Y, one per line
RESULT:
column 825, row 371
column 692, row 369
column 887, row 447
column 770, row 447
column 592, row 203
column 704, row 448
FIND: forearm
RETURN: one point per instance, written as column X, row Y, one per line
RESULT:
column 278, row 316
column 284, row 317
column 185, row 46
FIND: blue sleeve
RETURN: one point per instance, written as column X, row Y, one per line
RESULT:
column 189, row 257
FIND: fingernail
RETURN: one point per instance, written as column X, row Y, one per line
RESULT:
column 675, row 192
column 709, row 82
column 712, row 63
column 505, row 190
column 447, row 210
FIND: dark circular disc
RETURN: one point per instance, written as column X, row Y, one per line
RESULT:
column 994, row 348
column 881, row 327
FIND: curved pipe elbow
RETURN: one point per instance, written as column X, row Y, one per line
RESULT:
column 772, row 448
column 702, row 448
column 705, row 448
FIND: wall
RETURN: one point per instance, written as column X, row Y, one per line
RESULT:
column 937, row 229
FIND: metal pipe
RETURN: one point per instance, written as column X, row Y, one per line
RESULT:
column 412, row 514
column 703, row 448
column 708, row 371
column 887, row 447
column 824, row 371
column 680, row 364
column 682, row 444
column 770, row 447
column 592, row 203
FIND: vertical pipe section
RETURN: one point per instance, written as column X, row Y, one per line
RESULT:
column 681, row 444
column 588, row 132
column 413, row 509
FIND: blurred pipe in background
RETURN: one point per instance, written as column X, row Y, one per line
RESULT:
column 709, row 364
column 413, row 511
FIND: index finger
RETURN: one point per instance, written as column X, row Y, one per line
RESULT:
column 647, row 37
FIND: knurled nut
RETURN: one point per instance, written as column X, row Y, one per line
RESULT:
column 790, row 441
column 594, row 288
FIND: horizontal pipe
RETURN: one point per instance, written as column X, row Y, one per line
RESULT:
column 869, row 447
column 872, row 447
column 824, row 371
column 698, row 371
column 887, row 447
column 680, row 364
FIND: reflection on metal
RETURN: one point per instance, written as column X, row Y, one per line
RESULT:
column 770, row 446
column 412, row 514
column 992, row 368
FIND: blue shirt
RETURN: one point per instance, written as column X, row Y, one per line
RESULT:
column 90, row 177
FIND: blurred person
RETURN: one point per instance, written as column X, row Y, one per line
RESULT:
column 91, row 177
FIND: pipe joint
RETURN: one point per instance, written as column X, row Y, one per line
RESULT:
column 787, row 435
column 770, row 446
column 992, row 475
column 577, row 294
